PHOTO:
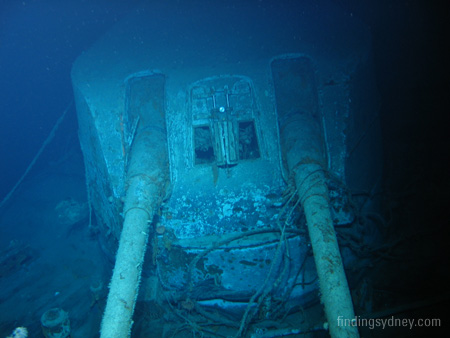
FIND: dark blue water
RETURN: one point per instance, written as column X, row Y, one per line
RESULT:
column 40, row 40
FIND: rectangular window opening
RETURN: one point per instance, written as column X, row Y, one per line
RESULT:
column 248, row 142
column 203, row 147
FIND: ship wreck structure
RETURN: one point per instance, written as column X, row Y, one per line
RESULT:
column 222, row 144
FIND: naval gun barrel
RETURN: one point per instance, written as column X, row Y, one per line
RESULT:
column 147, row 179
column 303, row 153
